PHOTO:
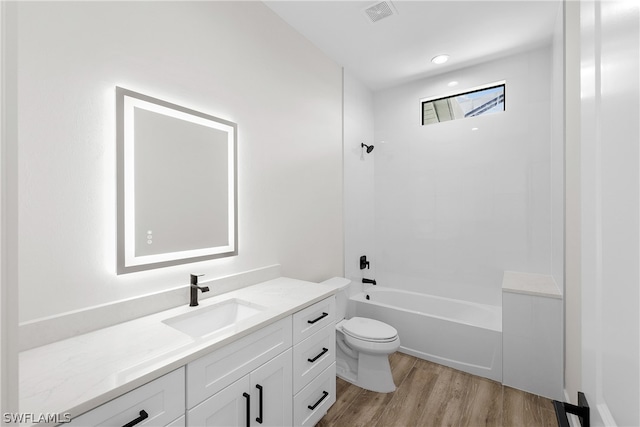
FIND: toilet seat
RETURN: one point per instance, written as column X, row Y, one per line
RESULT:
column 370, row 330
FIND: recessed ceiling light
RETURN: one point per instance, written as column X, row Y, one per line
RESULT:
column 474, row 128
column 440, row 59
column 452, row 84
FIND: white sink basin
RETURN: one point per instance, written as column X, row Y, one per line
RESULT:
column 215, row 318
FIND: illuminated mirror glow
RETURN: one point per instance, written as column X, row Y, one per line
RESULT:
column 176, row 184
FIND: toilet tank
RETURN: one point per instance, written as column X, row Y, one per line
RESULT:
column 342, row 296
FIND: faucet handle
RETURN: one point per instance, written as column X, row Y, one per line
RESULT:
column 194, row 278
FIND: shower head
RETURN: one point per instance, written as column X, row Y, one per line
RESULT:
column 369, row 147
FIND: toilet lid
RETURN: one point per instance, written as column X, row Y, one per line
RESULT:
column 369, row 329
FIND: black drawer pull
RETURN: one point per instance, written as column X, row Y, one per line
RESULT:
column 248, row 397
column 143, row 416
column 324, row 395
column 259, row 419
column 324, row 350
column 319, row 318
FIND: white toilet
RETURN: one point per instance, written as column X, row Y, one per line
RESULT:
column 363, row 346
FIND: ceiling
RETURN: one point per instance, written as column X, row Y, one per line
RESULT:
column 399, row 48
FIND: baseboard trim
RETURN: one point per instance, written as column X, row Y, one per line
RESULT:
column 605, row 415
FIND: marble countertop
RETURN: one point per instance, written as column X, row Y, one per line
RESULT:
column 530, row 284
column 80, row 373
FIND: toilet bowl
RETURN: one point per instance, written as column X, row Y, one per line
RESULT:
column 362, row 354
column 363, row 346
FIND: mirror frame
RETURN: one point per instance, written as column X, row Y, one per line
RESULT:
column 127, row 261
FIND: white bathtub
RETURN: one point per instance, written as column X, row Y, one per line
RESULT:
column 463, row 335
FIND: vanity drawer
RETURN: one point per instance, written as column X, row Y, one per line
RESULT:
column 215, row 371
column 162, row 400
column 313, row 355
column 313, row 318
column 310, row 404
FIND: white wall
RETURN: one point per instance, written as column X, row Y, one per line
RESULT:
column 456, row 207
column 8, row 213
column 610, row 210
column 557, row 151
column 558, row 176
column 234, row 60
column 358, row 179
column 573, row 222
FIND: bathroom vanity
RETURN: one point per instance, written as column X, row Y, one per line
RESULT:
column 271, row 364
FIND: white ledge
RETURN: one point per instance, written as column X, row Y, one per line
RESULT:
column 541, row 285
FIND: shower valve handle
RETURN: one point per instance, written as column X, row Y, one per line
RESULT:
column 364, row 263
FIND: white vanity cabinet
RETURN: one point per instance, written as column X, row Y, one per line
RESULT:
column 225, row 386
column 157, row 403
column 280, row 375
column 290, row 363
column 314, row 362
column 261, row 398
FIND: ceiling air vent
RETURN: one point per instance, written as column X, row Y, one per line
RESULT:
column 380, row 11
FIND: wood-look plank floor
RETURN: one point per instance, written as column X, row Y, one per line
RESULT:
column 433, row 395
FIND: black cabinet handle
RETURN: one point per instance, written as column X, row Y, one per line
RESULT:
column 319, row 318
column 143, row 416
column 324, row 350
column 259, row 419
column 246, row 396
column 324, row 395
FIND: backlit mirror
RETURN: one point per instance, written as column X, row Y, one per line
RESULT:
column 176, row 184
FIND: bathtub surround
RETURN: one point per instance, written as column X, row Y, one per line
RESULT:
column 454, row 208
column 201, row 54
column 359, row 213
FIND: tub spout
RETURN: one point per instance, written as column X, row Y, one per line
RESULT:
column 373, row 282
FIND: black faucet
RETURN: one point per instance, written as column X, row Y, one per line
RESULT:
column 194, row 289
column 373, row 282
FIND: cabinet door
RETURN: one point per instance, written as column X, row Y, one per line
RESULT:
column 240, row 404
column 271, row 395
column 228, row 407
